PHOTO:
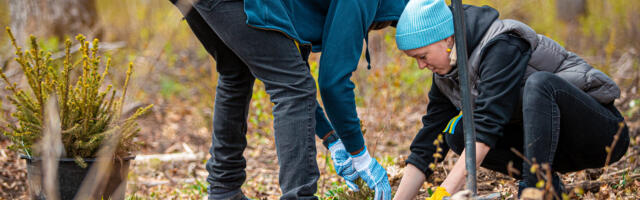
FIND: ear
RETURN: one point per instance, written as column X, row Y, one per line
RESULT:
column 450, row 41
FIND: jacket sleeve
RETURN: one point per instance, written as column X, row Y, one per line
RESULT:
column 501, row 70
column 344, row 31
column 439, row 111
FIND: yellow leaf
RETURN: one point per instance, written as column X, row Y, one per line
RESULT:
column 432, row 166
column 534, row 168
column 540, row 184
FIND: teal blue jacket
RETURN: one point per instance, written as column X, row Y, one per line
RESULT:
column 337, row 28
column 307, row 21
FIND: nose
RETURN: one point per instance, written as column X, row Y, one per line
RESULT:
column 422, row 64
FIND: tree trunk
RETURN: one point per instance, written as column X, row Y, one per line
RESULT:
column 570, row 10
column 53, row 18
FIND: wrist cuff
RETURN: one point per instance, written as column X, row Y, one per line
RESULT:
column 362, row 160
column 330, row 140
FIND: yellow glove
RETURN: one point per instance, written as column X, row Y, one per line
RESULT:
column 438, row 194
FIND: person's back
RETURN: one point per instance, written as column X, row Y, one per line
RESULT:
column 336, row 28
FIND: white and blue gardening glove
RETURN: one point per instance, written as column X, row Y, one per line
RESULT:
column 373, row 174
column 342, row 162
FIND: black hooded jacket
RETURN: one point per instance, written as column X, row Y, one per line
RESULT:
column 498, row 103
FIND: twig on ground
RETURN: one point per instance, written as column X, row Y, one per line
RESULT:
column 176, row 181
column 548, row 186
column 152, row 183
column 622, row 171
column 629, row 155
column 170, row 157
column 609, row 149
column 512, row 170
column 515, row 151
column 590, row 185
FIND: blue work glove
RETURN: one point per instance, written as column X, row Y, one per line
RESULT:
column 342, row 163
column 373, row 174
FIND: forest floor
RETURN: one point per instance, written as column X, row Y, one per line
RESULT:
column 184, row 177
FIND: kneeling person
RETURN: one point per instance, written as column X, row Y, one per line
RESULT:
column 529, row 92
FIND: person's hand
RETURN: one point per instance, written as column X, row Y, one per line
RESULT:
column 342, row 162
column 373, row 174
column 438, row 194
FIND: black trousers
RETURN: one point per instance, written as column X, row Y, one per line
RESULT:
column 561, row 125
column 242, row 54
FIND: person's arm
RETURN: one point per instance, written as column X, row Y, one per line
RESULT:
column 345, row 27
column 455, row 181
column 501, row 73
column 412, row 180
column 439, row 111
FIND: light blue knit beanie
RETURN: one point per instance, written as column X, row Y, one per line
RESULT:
column 423, row 22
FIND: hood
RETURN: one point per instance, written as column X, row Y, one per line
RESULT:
column 477, row 21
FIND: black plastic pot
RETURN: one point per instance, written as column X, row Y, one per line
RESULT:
column 71, row 175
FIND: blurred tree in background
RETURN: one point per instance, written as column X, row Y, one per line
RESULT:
column 59, row 18
column 571, row 10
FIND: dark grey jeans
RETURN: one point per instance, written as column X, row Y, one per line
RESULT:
column 561, row 125
column 242, row 54
column 565, row 127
